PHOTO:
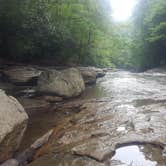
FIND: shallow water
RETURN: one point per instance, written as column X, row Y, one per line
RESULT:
column 123, row 85
column 138, row 155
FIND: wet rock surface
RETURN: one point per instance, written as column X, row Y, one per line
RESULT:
column 94, row 131
column 130, row 110
column 123, row 109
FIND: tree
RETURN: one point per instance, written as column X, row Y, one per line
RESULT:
column 69, row 31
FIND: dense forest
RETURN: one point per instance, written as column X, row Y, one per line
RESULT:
column 81, row 32
column 82, row 82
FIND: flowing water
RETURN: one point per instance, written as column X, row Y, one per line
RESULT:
column 131, row 90
column 126, row 86
column 138, row 89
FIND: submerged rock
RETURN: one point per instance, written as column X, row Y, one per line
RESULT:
column 10, row 162
column 26, row 155
column 22, row 75
column 13, row 123
column 6, row 86
column 89, row 77
column 66, row 83
column 33, row 105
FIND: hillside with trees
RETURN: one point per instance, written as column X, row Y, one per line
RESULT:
column 73, row 32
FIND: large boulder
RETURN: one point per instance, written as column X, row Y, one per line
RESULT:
column 90, row 74
column 21, row 74
column 66, row 83
column 13, row 123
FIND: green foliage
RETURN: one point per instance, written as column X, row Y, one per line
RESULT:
column 145, row 46
column 65, row 31
column 150, row 33
column 81, row 32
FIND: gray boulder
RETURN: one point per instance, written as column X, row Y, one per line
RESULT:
column 13, row 123
column 90, row 74
column 66, row 83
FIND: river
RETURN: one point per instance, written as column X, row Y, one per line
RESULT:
column 135, row 133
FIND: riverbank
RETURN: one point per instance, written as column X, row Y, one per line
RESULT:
column 121, row 110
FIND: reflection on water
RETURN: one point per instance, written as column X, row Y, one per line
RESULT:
column 121, row 129
column 138, row 155
column 94, row 91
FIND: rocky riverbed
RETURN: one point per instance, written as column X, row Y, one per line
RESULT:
column 118, row 121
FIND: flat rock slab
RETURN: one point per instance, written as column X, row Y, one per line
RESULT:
column 102, row 126
column 21, row 74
